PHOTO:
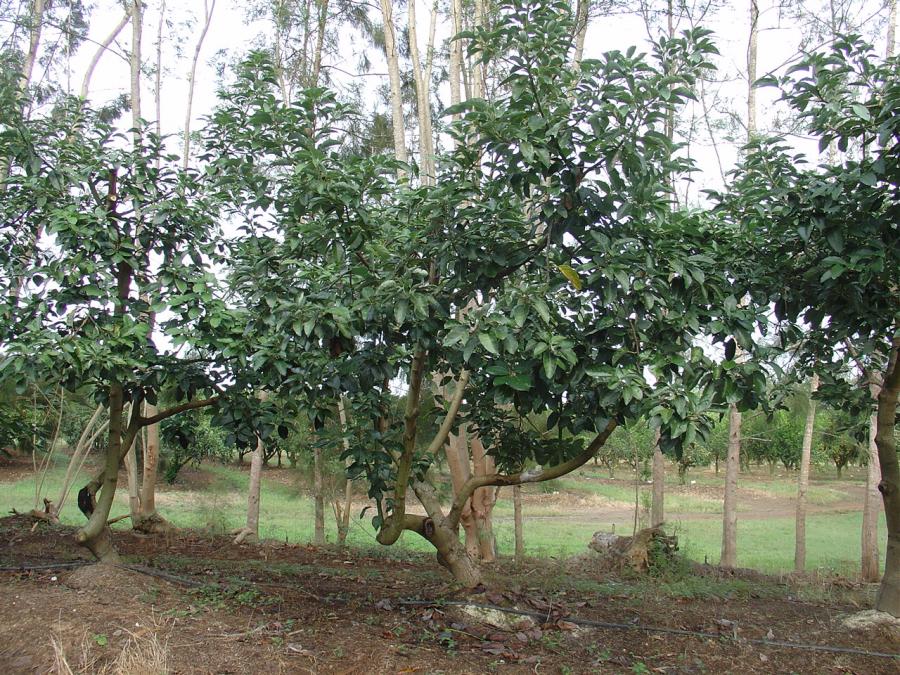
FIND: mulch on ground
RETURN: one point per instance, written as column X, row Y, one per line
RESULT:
column 280, row 608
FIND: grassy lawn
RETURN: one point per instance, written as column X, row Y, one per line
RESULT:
column 551, row 529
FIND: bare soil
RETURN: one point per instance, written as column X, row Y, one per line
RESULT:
column 276, row 608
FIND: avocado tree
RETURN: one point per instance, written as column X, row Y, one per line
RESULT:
column 826, row 249
column 112, row 226
column 551, row 226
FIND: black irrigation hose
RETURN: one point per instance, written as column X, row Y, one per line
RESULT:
column 48, row 566
column 656, row 629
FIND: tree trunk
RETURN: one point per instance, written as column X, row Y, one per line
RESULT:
column 732, row 465
column 581, row 24
column 422, row 80
column 803, row 481
column 250, row 532
column 451, row 553
column 483, row 501
column 751, row 69
column 101, row 50
column 342, row 515
column 208, row 9
column 95, row 534
column 150, row 521
column 319, row 497
column 134, row 488
column 870, row 569
column 393, row 64
column 457, row 452
column 453, row 556
column 517, row 518
column 36, row 25
column 657, row 510
column 137, row 23
column 888, row 599
column 891, row 36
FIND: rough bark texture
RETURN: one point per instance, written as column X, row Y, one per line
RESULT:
column 732, row 466
column 888, row 599
column 870, row 569
column 803, row 481
column 657, row 508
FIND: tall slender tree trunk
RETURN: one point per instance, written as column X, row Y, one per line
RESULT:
column 135, row 59
column 658, row 471
column 869, row 564
column 208, row 9
column 803, row 482
column 891, row 37
column 582, row 10
column 752, row 47
column 393, row 64
column 732, row 466
column 517, row 519
column 102, row 48
column 733, row 460
column 342, row 513
column 318, row 497
column 35, row 27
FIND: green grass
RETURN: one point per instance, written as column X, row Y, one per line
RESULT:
column 287, row 515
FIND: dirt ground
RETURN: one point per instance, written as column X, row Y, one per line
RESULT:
column 276, row 608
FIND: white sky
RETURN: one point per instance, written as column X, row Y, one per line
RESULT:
column 778, row 43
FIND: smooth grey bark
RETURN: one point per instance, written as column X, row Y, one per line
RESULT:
column 732, row 466
column 803, row 480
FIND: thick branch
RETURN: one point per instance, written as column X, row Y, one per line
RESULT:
column 450, row 418
column 537, row 475
column 393, row 526
column 174, row 410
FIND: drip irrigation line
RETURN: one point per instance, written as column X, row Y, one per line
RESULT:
column 159, row 574
column 658, row 629
column 47, row 566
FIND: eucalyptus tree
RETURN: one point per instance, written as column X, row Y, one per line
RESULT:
column 826, row 246
column 552, row 223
